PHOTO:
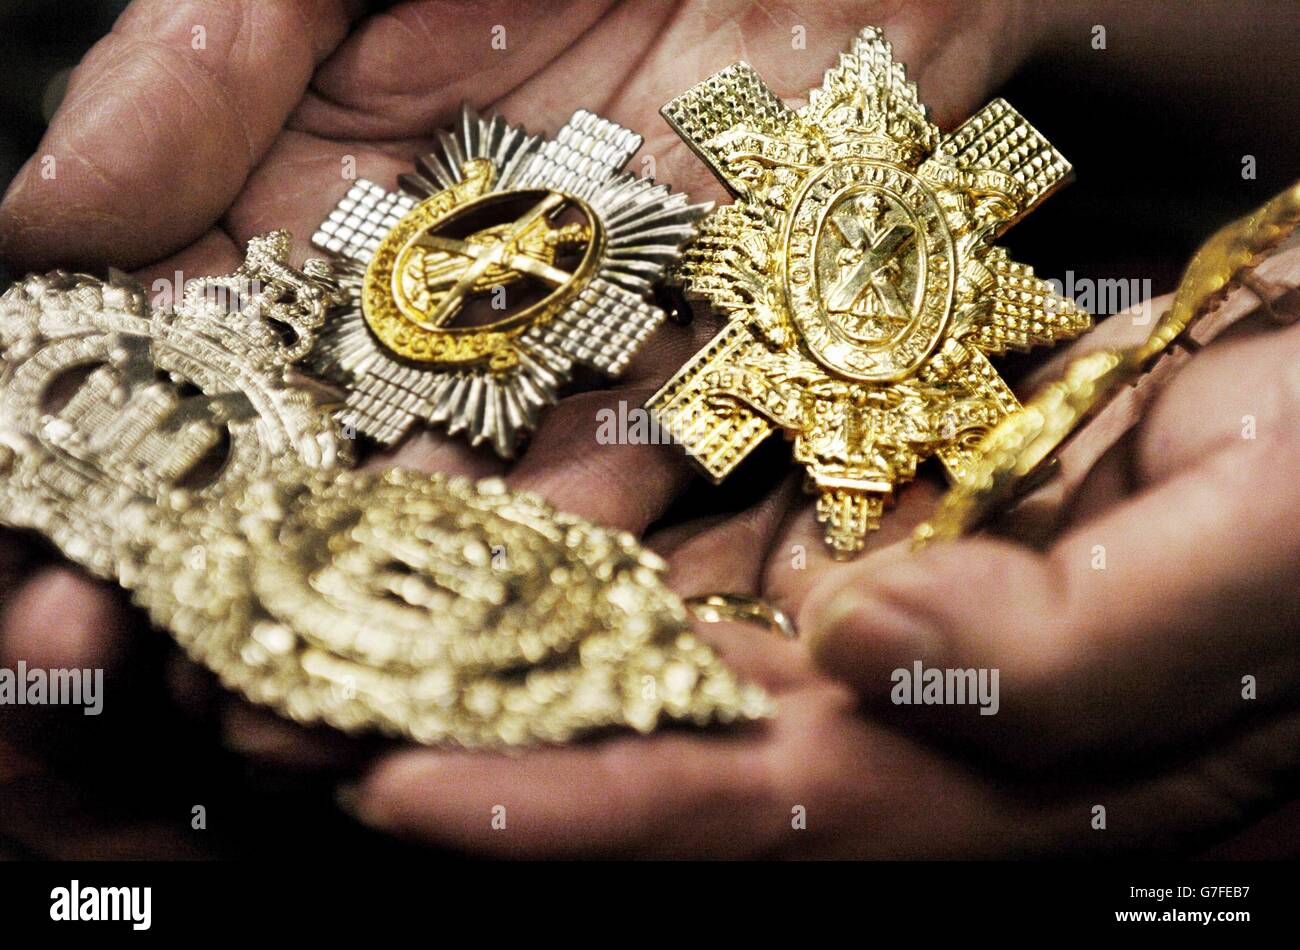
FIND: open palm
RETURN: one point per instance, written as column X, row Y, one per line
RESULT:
column 197, row 125
column 1121, row 680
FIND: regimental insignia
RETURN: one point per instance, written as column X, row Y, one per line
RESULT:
column 504, row 261
column 175, row 451
column 433, row 608
column 856, row 268
column 105, row 400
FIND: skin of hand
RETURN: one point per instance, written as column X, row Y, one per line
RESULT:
column 1120, row 687
column 1197, row 524
column 173, row 147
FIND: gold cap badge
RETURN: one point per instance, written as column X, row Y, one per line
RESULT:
column 856, row 268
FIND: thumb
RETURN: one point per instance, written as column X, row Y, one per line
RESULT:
column 161, row 125
column 1095, row 640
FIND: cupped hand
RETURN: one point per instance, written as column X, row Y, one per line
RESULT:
column 1148, row 666
column 198, row 124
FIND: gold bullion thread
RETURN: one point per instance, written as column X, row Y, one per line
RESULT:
column 1013, row 451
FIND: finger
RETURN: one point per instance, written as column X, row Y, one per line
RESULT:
column 260, row 735
column 406, row 70
column 597, row 455
column 161, row 125
column 1137, row 610
column 61, row 619
column 213, row 253
column 800, row 559
column 1127, row 328
column 1190, row 407
column 664, row 795
column 730, row 795
column 726, row 554
column 818, row 781
column 1234, row 390
column 725, row 551
column 1245, row 389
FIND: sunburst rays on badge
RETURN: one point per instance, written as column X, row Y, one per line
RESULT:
column 548, row 239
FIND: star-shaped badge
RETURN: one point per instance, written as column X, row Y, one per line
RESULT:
column 857, row 271
column 504, row 261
